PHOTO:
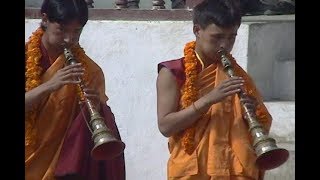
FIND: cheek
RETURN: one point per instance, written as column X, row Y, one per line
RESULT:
column 230, row 46
column 76, row 38
column 211, row 46
column 55, row 38
column 229, row 49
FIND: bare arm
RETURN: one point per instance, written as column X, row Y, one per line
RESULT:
column 35, row 95
column 170, row 120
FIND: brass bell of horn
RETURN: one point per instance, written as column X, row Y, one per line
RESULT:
column 106, row 146
column 269, row 156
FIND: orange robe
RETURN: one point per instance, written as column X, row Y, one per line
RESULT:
column 54, row 115
column 223, row 143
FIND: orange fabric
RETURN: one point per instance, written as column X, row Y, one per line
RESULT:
column 223, row 143
column 207, row 177
column 54, row 115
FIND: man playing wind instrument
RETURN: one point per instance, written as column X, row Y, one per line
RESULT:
column 198, row 106
column 57, row 139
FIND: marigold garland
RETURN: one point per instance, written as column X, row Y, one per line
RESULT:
column 33, row 73
column 189, row 92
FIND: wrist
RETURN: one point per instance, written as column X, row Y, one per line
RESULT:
column 195, row 108
column 204, row 101
column 46, row 88
column 201, row 105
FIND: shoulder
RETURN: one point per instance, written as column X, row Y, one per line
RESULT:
column 241, row 72
column 237, row 68
column 91, row 65
column 174, row 64
column 93, row 70
column 250, row 85
column 173, row 68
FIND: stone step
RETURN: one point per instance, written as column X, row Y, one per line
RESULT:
column 267, row 52
column 283, row 131
column 283, row 124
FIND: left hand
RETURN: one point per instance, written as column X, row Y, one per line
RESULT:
column 93, row 96
column 250, row 102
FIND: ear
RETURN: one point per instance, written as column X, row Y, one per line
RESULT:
column 196, row 30
column 44, row 19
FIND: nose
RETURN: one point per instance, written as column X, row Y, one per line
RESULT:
column 226, row 43
column 69, row 38
column 223, row 44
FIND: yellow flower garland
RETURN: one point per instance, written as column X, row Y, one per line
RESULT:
column 33, row 72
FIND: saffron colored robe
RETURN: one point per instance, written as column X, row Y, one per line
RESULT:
column 63, row 140
column 223, row 143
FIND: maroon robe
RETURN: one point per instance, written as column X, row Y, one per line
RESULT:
column 74, row 160
column 75, row 156
column 177, row 69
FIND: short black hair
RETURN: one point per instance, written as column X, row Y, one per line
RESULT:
column 223, row 13
column 64, row 11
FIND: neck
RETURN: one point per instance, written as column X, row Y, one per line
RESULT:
column 205, row 59
column 53, row 52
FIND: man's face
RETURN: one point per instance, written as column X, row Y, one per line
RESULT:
column 213, row 37
column 60, row 35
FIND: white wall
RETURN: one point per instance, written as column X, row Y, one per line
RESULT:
column 128, row 52
column 271, row 59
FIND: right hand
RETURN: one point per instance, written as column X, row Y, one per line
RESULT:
column 225, row 88
column 66, row 75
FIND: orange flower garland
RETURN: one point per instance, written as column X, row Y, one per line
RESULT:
column 32, row 75
column 33, row 56
column 33, row 72
column 189, row 92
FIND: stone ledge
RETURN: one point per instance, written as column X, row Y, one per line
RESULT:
column 283, row 124
column 154, row 15
column 271, row 59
